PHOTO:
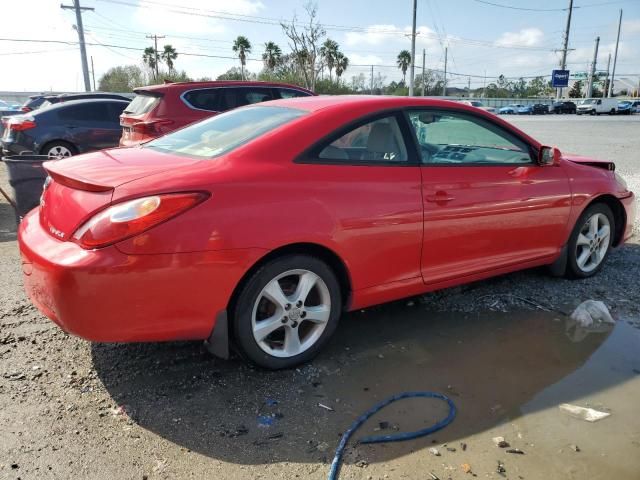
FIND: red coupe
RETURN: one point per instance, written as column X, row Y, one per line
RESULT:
column 260, row 226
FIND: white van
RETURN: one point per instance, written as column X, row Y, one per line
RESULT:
column 596, row 106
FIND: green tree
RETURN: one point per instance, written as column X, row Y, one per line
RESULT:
column 271, row 56
column 242, row 46
column 121, row 79
column 329, row 53
column 576, row 89
column 403, row 61
column 341, row 64
column 149, row 59
column 235, row 73
column 168, row 56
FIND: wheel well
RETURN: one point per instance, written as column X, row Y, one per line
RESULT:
column 619, row 215
column 323, row 253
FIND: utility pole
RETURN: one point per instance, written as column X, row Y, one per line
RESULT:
column 469, row 86
column 83, row 51
column 606, row 81
column 93, row 74
column 563, row 63
column 615, row 57
column 484, row 85
column 371, row 79
column 444, row 86
column 424, row 57
column 413, row 48
column 155, row 40
column 592, row 73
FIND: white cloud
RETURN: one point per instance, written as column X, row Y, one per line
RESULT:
column 357, row 59
column 527, row 37
column 631, row 26
column 374, row 35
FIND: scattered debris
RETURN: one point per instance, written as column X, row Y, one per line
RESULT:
column 575, row 448
column 433, row 476
column 516, row 451
column 451, row 449
column 380, row 356
column 466, row 468
column 500, row 469
column 266, row 421
column 270, row 402
column 362, row 463
column 383, row 425
column 500, row 442
column 591, row 312
column 326, row 407
column 463, row 446
column 275, row 436
column 434, row 451
column 588, row 414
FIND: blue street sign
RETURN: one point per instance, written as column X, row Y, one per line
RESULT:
column 560, row 78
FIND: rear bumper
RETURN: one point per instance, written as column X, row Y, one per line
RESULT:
column 108, row 296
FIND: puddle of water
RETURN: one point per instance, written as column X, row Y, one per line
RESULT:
column 495, row 366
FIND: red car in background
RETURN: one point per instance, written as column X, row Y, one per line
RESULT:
column 260, row 226
column 160, row 109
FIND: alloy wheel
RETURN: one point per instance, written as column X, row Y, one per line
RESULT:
column 59, row 151
column 291, row 313
column 593, row 242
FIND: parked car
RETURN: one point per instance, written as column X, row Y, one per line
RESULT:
column 563, row 107
column 625, row 107
column 4, row 106
column 510, row 109
column 477, row 104
column 635, row 106
column 265, row 222
column 160, row 109
column 525, row 110
column 596, row 106
column 65, row 129
column 540, row 109
column 33, row 103
column 69, row 97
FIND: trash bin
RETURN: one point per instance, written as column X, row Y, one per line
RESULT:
column 26, row 177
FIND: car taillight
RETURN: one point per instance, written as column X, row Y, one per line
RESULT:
column 19, row 124
column 152, row 127
column 130, row 218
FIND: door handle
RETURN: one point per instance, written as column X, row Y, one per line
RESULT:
column 439, row 198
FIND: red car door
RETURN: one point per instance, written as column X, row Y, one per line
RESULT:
column 487, row 203
column 369, row 183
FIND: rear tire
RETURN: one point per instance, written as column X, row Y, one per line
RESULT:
column 58, row 149
column 275, row 323
column 590, row 241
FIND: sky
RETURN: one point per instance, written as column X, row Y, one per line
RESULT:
column 511, row 37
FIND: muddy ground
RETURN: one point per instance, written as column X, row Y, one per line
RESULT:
column 71, row 409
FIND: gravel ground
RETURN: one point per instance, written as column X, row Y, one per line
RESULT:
column 71, row 409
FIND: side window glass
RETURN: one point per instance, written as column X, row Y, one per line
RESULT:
column 115, row 109
column 247, row 96
column 205, row 99
column 85, row 113
column 451, row 138
column 377, row 141
column 227, row 99
column 288, row 93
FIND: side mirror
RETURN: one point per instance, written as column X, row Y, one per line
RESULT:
column 549, row 156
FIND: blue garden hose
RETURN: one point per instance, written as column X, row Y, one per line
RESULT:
column 396, row 437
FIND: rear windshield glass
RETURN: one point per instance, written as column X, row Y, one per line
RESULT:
column 222, row 133
column 142, row 104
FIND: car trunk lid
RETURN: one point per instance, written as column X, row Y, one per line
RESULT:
column 80, row 186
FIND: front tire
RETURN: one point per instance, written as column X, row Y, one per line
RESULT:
column 590, row 241
column 287, row 311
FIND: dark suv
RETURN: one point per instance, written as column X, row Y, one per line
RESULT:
column 563, row 107
column 65, row 129
column 160, row 109
column 69, row 97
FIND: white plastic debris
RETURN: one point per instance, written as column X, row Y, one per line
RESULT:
column 588, row 414
column 591, row 312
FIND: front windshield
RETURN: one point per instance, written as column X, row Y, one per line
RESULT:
column 223, row 133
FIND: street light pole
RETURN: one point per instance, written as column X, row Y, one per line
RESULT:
column 615, row 57
column 413, row 48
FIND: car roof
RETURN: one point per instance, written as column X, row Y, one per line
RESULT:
column 89, row 101
column 377, row 102
column 215, row 83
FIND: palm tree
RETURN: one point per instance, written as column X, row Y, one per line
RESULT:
column 242, row 46
column 271, row 55
column 404, row 60
column 149, row 58
column 341, row 63
column 168, row 56
column 329, row 52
